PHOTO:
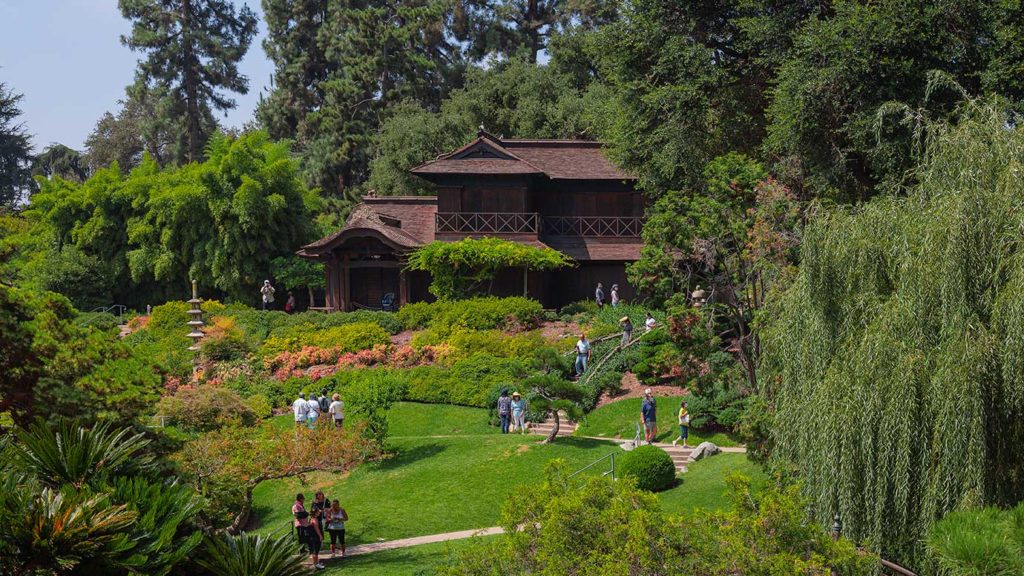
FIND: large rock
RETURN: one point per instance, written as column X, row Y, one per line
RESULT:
column 703, row 450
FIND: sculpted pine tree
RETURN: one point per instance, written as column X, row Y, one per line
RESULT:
column 192, row 49
column 15, row 149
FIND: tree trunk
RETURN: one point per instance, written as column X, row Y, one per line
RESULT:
column 533, row 29
column 242, row 518
column 311, row 302
column 554, row 429
column 190, row 80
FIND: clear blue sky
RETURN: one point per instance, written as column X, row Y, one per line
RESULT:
column 66, row 57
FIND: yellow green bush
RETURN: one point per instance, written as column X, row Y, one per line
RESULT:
column 346, row 338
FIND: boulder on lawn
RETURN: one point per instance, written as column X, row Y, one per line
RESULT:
column 703, row 450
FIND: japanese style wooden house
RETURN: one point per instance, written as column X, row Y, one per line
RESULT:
column 560, row 193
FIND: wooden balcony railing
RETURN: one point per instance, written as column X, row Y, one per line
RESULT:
column 488, row 222
column 607, row 226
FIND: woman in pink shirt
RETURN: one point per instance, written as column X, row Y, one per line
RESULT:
column 308, row 530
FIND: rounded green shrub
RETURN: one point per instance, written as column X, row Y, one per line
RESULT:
column 650, row 466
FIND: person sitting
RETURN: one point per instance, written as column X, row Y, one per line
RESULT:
column 308, row 530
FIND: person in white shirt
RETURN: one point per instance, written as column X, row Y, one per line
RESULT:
column 314, row 411
column 650, row 323
column 337, row 411
column 301, row 409
column 582, row 354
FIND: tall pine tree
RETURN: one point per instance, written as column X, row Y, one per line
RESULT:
column 192, row 50
column 15, row 149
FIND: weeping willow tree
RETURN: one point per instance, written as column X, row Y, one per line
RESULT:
column 895, row 359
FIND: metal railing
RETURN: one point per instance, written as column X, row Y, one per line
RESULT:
column 609, row 472
column 601, row 226
column 488, row 222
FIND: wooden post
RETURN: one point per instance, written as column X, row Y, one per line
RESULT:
column 526, row 278
column 346, row 292
column 403, row 288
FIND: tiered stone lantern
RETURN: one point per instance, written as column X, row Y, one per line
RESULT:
column 196, row 323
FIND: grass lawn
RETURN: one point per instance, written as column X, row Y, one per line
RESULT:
column 399, row 562
column 619, row 419
column 432, row 485
column 415, row 419
column 703, row 486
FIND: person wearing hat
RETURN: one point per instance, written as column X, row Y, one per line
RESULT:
column 267, row 294
column 627, row 330
column 301, row 409
column 649, row 417
column 518, row 413
column 504, row 410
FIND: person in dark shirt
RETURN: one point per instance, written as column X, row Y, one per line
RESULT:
column 649, row 417
column 504, row 410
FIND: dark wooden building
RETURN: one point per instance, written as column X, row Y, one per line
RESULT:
column 559, row 193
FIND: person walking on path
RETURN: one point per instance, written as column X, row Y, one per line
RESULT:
column 308, row 530
column 504, row 410
column 649, row 417
column 599, row 295
column 314, row 411
column 267, row 295
column 324, row 401
column 301, row 409
column 289, row 305
column 337, row 411
column 615, row 295
column 336, row 518
column 650, row 323
column 582, row 354
column 518, row 413
column 627, row 331
column 684, row 424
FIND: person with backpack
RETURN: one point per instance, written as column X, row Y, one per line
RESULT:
column 325, row 402
column 504, row 410
column 308, row 530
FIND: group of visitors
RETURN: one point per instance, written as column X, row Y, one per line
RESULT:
column 267, row 297
column 308, row 412
column 512, row 412
column 599, row 295
column 324, row 515
column 649, row 419
column 584, row 349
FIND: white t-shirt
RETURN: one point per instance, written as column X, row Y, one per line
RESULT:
column 336, row 409
column 650, row 323
column 314, row 408
column 582, row 346
column 301, row 409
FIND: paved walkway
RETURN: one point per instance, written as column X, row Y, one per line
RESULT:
column 360, row 549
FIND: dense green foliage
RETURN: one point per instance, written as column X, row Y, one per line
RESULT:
column 140, row 238
column 52, row 366
column 650, row 467
column 475, row 314
column 605, row 527
column 346, row 338
column 248, row 555
column 461, row 269
column 982, row 542
column 192, row 51
column 894, row 368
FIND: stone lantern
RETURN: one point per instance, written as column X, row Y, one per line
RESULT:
column 195, row 323
column 698, row 297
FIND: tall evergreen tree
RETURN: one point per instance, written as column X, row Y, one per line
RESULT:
column 192, row 49
column 138, row 127
column 15, row 149
column 340, row 65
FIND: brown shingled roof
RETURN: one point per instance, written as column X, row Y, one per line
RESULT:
column 556, row 159
column 405, row 221
column 591, row 248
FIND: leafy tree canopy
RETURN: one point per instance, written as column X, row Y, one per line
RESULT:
column 459, row 269
column 15, row 149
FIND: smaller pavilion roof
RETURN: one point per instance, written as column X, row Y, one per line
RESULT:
column 405, row 222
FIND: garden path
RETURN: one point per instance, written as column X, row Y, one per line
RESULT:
column 407, row 542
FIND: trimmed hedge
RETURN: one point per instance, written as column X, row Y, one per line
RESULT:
column 475, row 313
column 347, row 338
column 651, row 466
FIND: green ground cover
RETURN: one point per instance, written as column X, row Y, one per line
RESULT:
column 400, row 562
column 415, row 419
column 619, row 419
column 703, row 485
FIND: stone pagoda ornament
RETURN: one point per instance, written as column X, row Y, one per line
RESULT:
column 196, row 324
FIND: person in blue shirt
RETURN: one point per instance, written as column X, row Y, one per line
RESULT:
column 518, row 413
column 649, row 417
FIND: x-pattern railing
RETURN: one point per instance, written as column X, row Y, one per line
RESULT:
column 488, row 222
column 593, row 225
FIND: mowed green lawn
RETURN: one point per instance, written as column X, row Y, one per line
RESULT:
column 619, row 419
column 431, row 485
column 703, row 485
column 400, row 562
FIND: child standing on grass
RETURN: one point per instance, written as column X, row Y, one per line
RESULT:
column 336, row 518
column 684, row 424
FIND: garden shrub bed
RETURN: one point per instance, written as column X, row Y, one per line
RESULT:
column 511, row 314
